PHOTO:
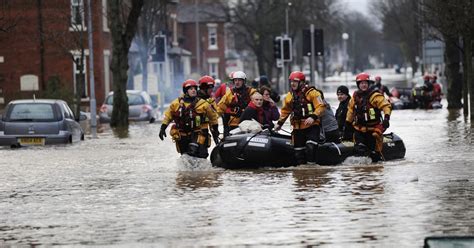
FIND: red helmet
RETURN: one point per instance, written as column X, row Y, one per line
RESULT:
column 363, row 77
column 206, row 81
column 427, row 78
column 297, row 76
column 189, row 83
column 378, row 78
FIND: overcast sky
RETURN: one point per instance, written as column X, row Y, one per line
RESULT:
column 359, row 5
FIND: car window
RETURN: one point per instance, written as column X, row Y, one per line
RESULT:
column 32, row 112
column 135, row 99
column 67, row 111
column 109, row 100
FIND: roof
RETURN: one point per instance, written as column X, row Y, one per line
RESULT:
column 49, row 101
column 207, row 12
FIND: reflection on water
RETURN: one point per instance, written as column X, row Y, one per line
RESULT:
column 138, row 191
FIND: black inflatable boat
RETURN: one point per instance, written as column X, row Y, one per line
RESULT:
column 271, row 149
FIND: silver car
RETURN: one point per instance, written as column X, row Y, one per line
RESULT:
column 140, row 107
column 39, row 122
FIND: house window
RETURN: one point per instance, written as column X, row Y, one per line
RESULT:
column 213, row 67
column 77, row 13
column 212, row 32
column 105, row 24
column 80, row 79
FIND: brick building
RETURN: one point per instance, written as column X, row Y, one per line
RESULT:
column 208, row 54
column 45, row 44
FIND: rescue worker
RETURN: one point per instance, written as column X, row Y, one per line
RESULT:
column 365, row 112
column 343, row 97
column 305, row 105
column 206, row 86
column 235, row 100
column 381, row 88
column 190, row 131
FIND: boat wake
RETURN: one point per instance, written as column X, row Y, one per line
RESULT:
column 357, row 161
column 189, row 163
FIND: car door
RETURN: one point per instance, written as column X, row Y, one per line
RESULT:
column 70, row 122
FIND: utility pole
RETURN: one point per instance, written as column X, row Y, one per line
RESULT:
column 311, row 59
column 198, row 38
column 91, row 72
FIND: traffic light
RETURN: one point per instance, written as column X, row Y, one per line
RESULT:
column 160, row 48
column 277, row 54
column 287, row 50
column 318, row 42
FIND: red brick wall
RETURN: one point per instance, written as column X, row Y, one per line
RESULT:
column 188, row 32
column 21, row 47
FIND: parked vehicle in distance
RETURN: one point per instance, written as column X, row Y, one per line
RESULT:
column 39, row 122
column 140, row 107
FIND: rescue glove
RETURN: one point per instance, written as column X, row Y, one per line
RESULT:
column 215, row 133
column 278, row 126
column 163, row 131
column 386, row 121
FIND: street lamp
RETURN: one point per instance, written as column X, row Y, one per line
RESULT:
column 345, row 37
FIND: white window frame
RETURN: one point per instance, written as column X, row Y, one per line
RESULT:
column 105, row 24
column 77, row 4
column 213, row 67
column 107, row 71
column 212, row 36
column 77, row 55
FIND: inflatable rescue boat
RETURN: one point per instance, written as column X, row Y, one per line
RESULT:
column 270, row 149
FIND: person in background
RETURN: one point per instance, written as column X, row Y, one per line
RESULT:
column 218, row 94
column 306, row 107
column 235, row 100
column 330, row 130
column 270, row 109
column 188, row 112
column 343, row 97
column 437, row 92
column 365, row 111
column 380, row 87
column 264, row 81
column 206, row 86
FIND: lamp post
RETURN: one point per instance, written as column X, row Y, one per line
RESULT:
column 345, row 37
column 91, row 72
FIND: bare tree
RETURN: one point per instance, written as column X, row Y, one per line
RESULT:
column 454, row 21
column 257, row 22
column 123, row 18
column 400, row 20
column 69, row 40
column 7, row 20
column 149, row 24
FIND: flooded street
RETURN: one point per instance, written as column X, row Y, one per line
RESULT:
column 138, row 191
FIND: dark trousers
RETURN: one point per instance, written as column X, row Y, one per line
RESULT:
column 191, row 145
column 305, row 143
column 364, row 143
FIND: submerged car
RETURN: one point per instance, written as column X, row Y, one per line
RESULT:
column 140, row 107
column 39, row 122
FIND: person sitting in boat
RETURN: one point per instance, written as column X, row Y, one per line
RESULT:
column 381, row 88
column 343, row 97
column 270, row 109
column 206, row 86
column 365, row 115
column 265, row 82
column 235, row 99
column 437, row 92
column 305, row 106
column 254, row 111
column 422, row 96
column 190, row 131
column 330, row 131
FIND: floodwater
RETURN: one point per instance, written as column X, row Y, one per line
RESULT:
column 138, row 192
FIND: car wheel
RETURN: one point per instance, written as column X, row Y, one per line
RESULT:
column 70, row 139
column 152, row 120
column 82, row 136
